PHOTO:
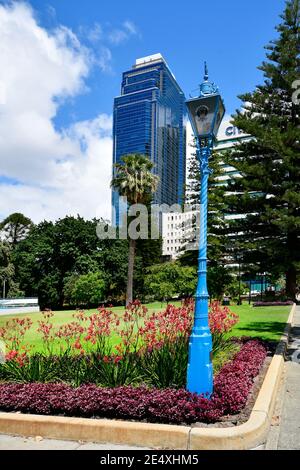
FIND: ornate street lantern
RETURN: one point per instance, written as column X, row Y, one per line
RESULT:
column 206, row 113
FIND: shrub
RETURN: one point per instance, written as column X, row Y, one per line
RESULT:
column 165, row 281
column 88, row 289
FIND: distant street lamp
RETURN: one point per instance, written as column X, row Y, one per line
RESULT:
column 206, row 113
column 263, row 285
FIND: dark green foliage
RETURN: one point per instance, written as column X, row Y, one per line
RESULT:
column 268, row 194
column 88, row 289
column 52, row 258
column 218, row 280
column 167, row 367
column 15, row 228
column 7, row 270
column 54, row 253
column 73, row 369
column 114, row 261
column 217, row 208
column 38, row 368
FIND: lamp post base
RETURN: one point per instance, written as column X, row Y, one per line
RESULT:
column 200, row 368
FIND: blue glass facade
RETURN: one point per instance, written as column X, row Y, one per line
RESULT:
column 149, row 118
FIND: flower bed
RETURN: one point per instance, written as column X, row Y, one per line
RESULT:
column 232, row 387
column 149, row 349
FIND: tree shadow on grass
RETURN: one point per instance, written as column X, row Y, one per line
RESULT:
column 265, row 330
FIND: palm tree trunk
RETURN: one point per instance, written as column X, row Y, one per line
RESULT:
column 131, row 256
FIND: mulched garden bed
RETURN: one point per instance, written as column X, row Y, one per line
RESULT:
column 235, row 389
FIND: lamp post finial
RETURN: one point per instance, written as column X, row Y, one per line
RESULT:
column 207, row 87
column 205, row 71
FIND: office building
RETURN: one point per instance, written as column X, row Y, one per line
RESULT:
column 149, row 118
column 177, row 227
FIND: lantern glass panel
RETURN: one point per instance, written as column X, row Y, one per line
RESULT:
column 219, row 117
column 202, row 112
column 206, row 115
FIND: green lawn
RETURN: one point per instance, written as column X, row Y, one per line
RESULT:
column 267, row 323
column 264, row 322
column 33, row 338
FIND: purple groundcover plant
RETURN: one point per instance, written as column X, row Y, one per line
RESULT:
column 232, row 387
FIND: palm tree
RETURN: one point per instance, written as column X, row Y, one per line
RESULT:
column 134, row 180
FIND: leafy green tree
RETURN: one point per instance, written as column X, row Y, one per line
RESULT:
column 15, row 228
column 88, row 289
column 268, row 193
column 52, row 252
column 148, row 253
column 54, row 255
column 114, row 263
column 69, row 284
column 186, row 281
column 14, row 291
column 134, row 180
column 164, row 281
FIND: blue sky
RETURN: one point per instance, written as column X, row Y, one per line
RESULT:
column 231, row 37
column 61, row 64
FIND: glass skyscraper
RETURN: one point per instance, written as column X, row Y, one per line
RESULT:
column 149, row 118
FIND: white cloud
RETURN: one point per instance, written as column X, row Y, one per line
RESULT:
column 130, row 26
column 103, row 59
column 119, row 35
column 59, row 172
column 92, row 33
column 95, row 33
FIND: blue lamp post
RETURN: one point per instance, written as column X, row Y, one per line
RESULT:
column 206, row 113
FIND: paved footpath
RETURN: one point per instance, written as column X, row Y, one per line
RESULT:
column 23, row 443
column 285, row 431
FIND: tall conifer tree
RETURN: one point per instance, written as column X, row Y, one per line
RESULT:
column 217, row 241
column 268, row 191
